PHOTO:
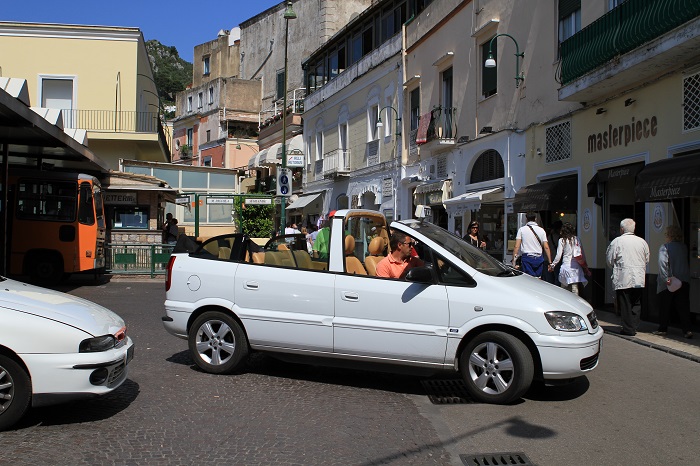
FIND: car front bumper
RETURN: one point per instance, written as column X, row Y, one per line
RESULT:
column 61, row 377
column 569, row 356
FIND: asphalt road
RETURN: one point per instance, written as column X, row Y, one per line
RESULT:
column 638, row 407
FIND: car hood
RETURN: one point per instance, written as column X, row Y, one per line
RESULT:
column 551, row 297
column 61, row 307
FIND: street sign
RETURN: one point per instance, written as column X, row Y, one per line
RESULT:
column 258, row 201
column 295, row 160
column 219, row 200
column 284, row 182
column 182, row 200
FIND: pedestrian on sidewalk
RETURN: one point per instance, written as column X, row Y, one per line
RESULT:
column 673, row 262
column 535, row 247
column 572, row 273
column 628, row 256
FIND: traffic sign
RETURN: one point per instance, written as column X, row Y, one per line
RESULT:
column 284, row 182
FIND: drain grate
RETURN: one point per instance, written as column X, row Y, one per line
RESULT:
column 493, row 459
column 446, row 392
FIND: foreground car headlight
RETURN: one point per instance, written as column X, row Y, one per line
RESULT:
column 97, row 344
column 566, row 321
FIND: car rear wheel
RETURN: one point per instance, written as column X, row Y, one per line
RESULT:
column 217, row 343
column 496, row 367
column 15, row 392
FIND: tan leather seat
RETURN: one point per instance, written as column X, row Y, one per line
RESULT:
column 352, row 263
column 303, row 259
column 224, row 253
column 376, row 249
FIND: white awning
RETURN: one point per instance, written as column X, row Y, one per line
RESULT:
column 254, row 161
column 303, row 201
column 429, row 187
column 270, row 157
column 472, row 200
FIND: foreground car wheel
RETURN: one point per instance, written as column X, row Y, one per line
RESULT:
column 217, row 343
column 15, row 392
column 496, row 367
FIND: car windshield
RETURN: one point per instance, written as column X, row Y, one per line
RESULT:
column 474, row 257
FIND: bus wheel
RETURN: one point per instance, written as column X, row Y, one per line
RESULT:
column 47, row 270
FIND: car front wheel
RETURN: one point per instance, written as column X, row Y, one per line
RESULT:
column 15, row 392
column 496, row 367
column 217, row 343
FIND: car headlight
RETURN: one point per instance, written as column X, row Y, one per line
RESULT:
column 97, row 344
column 566, row 321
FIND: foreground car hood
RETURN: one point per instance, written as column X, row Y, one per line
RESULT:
column 76, row 312
column 551, row 297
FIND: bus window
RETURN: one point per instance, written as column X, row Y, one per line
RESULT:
column 86, row 209
column 46, row 200
column 99, row 206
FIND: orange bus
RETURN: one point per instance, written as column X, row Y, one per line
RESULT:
column 56, row 224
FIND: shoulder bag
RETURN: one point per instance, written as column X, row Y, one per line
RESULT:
column 672, row 283
column 577, row 253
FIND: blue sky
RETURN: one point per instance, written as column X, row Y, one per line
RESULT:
column 183, row 24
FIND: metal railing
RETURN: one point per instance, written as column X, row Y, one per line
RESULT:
column 110, row 120
column 295, row 103
column 336, row 162
column 137, row 258
column 443, row 124
column 621, row 30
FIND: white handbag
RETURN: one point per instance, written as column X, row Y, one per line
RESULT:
column 672, row 283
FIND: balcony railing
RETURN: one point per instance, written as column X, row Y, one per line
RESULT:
column 336, row 162
column 621, row 30
column 110, row 120
column 443, row 125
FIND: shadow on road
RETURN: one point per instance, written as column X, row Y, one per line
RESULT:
column 570, row 391
column 85, row 410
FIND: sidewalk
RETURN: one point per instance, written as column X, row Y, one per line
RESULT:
column 672, row 343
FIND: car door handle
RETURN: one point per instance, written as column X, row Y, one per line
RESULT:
column 350, row 296
column 251, row 285
column 478, row 308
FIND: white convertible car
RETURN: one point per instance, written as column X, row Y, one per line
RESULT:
column 55, row 347
column 462, row 310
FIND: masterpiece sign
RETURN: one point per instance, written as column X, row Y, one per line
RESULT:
column 623, row 135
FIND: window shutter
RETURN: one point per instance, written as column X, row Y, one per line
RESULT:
column 567, row 7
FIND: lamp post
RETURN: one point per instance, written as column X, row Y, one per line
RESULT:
column 288, row 14
column 491, row 62
column 398, row 120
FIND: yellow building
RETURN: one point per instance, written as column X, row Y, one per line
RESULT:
column 101, row 79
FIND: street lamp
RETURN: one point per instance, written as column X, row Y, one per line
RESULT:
column 398, row 120
column 288, row 14
column 491, row 62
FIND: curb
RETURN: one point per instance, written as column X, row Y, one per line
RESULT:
column 665, row 349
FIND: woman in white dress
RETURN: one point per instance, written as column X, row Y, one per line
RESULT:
column 571, row 272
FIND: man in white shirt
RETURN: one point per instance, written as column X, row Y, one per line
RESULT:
column 531, row 243
column 628, row 256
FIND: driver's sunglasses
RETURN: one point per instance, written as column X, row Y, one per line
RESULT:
column 410, row 243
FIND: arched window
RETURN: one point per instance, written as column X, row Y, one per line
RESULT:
column 489, row 166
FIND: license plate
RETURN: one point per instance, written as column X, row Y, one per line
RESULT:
column 129, row 355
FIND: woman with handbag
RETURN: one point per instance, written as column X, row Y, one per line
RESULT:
column 574, row 269
column 673, row 282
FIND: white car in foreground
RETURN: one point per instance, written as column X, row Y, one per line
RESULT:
column 463, row 310
column 55, row 347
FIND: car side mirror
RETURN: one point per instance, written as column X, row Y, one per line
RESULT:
column 420, row 275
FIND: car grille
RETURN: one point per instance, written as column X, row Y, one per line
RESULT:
column 593, row 319
column 590, row 362
column 115, row 374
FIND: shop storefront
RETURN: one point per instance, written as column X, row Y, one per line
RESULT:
column 486, row 207
column 676, row 183
column 434, row 194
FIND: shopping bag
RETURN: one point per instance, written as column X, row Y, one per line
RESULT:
column 673, row 284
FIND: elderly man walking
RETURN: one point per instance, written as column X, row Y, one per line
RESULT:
column 628, row 256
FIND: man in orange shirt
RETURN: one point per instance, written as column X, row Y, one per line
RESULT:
column 399, row 261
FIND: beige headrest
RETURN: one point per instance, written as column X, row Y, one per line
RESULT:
column 349, row 245
column 376, row 246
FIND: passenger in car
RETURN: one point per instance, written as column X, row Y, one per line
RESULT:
column 399, row 261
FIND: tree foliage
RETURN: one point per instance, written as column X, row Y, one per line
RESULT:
column 255, row 220
column 171, row 73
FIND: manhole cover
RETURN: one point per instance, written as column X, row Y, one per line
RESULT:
column 492, row 459
column 445, row 392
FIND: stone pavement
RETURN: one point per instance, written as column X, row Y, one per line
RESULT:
column 672, row 343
